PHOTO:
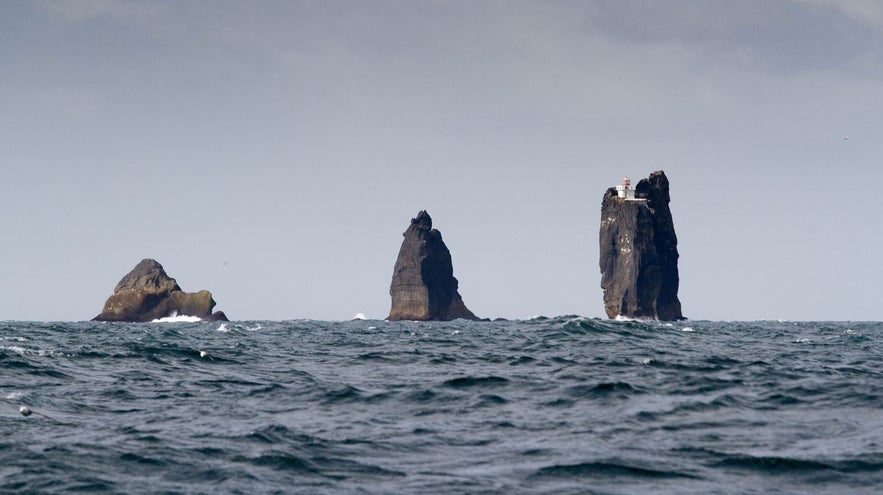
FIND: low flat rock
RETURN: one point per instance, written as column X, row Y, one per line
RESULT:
column 147, row 293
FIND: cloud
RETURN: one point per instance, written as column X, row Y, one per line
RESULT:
column 779, row 37
column 84, row 10
column 866, row 12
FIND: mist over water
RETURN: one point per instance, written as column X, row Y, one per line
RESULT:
column 549, row 405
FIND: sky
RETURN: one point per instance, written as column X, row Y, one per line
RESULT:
column 275, row 152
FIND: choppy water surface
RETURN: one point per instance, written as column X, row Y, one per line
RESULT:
column 564, row 405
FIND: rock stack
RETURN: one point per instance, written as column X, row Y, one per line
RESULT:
column 423, row 285
column 639, row 251
column 147, row 293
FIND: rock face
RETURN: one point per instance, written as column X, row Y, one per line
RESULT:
column 423, row 284
column 147, row 293
column 639, row 253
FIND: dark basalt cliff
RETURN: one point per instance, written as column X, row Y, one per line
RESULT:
column 639, row 253
column 423, row 285
column 147, row 293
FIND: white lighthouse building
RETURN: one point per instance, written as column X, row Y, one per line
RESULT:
column 626, row 190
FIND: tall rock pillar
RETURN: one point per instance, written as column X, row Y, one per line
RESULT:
column 639, row 251
column 423, row 285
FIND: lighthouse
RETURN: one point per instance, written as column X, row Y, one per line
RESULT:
column 626, row 190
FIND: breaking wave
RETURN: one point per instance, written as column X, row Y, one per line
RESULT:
column 175, row 318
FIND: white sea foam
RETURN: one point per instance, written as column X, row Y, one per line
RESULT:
column 33, row 352
column 688, row 329
column 256, row 327
column 14, row 396
column 174, row 318
column 626, row 318
column 359, row 316
column 14, row 348
column 223, row 328
column 372, row 328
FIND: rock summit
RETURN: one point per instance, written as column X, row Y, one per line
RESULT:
column 639, row 251
column 423, row 285
column 147, row 293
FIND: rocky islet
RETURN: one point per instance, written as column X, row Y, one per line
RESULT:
column 423, row 286
column 639, row 251
column 147, row 293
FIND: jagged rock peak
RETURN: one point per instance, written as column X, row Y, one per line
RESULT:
column 423, row 286
column 147, row 275
column 422, row 222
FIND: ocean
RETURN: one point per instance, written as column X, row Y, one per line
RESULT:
column 564, row 405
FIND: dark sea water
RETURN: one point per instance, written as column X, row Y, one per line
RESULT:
column 556, row 406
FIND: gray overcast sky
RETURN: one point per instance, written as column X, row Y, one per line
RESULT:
column 274, row 152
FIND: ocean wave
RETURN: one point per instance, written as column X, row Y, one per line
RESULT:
column 603, row 389
column 490, row 400
column 345, row 394
column 476, row 381
column 281, row 460
column 772, row 463
column 16, row 349
column 605, row 469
